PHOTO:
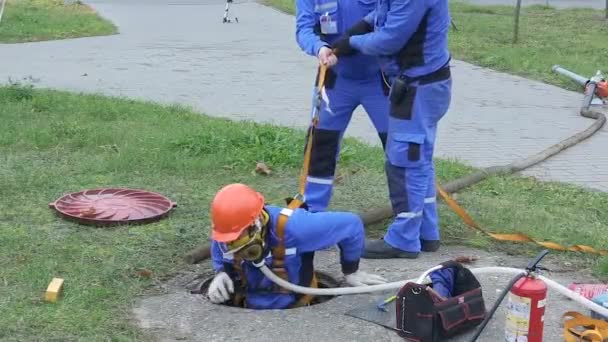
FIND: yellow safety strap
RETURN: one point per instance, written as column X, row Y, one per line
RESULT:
column 516, row 237
column 579, row 328
column 278, row 252
column 313, row 125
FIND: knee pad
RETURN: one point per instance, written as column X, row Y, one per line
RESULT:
column 324, row 153
column 397, row 188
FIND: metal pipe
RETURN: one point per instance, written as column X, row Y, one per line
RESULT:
column 575, row 77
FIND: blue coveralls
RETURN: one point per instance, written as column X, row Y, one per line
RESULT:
column 353, row 81
column 411, row 40
column 305, row 232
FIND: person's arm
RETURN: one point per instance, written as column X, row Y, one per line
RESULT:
column 402, row 21
column 315, row 231
column 217, row 257
column 370, row 18
column 307, row 39
column 222, row 285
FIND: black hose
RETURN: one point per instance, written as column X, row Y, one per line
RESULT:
column 589, row 94
column 496, row 305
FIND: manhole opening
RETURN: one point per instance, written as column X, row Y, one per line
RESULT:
column 324, row 281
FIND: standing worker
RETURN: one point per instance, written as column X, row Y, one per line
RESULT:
column 247, row 232
column 410, row 37
column 355, row 80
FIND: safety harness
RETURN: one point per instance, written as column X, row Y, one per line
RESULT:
column 278, row 261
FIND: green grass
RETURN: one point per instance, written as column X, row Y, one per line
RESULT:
column 55, row 142
column 573, row 38
column 37, row 20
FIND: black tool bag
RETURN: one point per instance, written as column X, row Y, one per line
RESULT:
column 425, row 316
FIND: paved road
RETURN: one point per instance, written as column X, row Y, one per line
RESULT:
column 597, row 4
column 176, row 315
column 179, row 51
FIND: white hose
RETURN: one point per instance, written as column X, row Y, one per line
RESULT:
column 399, row 284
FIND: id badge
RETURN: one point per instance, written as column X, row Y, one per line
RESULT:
column 328, row 26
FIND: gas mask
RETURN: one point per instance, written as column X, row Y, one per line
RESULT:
column 251, row 244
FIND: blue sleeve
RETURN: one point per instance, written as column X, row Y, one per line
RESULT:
column 443, row 281
column 306, row 19
column 217, row 257
column 402, row 21
column 316, row 231
column 370, row 18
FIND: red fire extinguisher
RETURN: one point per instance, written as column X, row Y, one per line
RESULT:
column 526, row 306
column 526, row 310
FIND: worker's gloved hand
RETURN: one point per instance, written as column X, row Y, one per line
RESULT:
column 327, row 57
column 361, row 27
column 361, row 278
column 342, row 47
column 220, row 288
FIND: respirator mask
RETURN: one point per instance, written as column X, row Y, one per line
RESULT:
column 251, row 244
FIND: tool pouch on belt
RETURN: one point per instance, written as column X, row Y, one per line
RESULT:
column 401, row 98
column 425, row 316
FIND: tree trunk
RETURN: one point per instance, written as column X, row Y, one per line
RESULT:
column 516, row 28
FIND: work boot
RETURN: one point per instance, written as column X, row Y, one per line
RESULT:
column 429, row 245
column 379, row 249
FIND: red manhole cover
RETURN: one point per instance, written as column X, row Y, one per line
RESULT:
column 113, row 206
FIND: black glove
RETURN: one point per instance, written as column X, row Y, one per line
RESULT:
column 342, row 47
column 361, row 27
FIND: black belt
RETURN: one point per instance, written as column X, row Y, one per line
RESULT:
column 440, row 74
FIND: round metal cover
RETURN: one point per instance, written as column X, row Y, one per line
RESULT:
column 113, row 206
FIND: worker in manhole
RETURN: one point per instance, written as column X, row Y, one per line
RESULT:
column 353, row 81
column 411, row 40
column 246, row 231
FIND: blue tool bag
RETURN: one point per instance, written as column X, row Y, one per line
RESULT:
column 453, row 303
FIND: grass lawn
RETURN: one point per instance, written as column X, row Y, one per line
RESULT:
column 37, row 20
column 547, row 37
column 56, row 142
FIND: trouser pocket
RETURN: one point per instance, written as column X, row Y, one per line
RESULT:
column 406, row 149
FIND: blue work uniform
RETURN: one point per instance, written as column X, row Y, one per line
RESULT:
column 410, row 38
column 305, row 232
column 353, row 81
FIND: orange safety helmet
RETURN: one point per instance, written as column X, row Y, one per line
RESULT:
column 234, row 208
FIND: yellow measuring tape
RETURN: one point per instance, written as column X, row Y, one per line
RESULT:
column 517, row 237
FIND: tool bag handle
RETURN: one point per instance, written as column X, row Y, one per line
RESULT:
column 423, row 315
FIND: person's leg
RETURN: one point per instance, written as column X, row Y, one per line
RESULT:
column 409, row 167
column 429, row 229
column 333, row 120
column 374, row 98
